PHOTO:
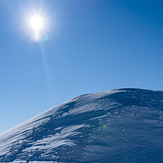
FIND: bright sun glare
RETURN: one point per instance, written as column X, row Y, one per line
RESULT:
column 37, row 24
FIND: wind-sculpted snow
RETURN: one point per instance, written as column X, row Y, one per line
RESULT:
column 120, row 126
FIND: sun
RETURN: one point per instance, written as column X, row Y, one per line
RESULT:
column 37, row 24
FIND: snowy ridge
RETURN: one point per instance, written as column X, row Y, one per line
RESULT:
column 121, row 125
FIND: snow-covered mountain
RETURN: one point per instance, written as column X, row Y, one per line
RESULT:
column 116, row 126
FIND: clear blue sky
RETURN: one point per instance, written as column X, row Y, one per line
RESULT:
column 92, row 46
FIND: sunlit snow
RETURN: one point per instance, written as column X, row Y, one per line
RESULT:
column 118, row 126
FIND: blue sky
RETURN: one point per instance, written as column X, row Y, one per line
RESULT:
column 92, row 46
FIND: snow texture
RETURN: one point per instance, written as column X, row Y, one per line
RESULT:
column 120, row 126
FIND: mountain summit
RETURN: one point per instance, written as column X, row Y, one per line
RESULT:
column 117, row 126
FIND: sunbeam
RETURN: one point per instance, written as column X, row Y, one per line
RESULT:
column 48, row 80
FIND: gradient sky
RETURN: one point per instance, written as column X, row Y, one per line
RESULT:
column 92, row 46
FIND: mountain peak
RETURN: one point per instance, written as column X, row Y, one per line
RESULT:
column 120, row 125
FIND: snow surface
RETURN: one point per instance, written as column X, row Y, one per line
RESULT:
column 121, row 125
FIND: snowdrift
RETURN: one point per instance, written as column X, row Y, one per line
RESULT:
column 117, row 126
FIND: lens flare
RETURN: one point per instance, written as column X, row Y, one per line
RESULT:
column 45, row 37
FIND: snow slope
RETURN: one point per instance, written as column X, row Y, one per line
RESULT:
column 117, row 126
